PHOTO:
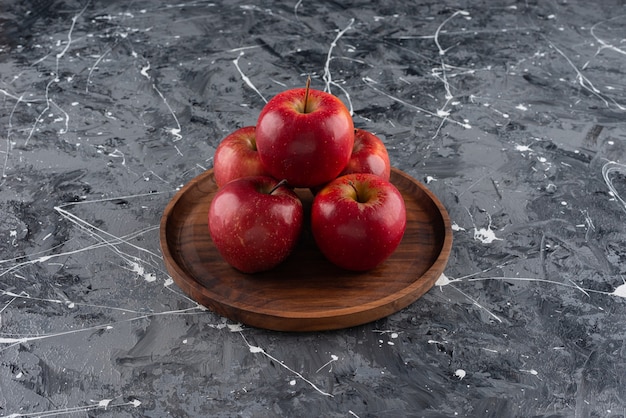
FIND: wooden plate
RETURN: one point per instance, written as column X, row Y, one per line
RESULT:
column 306, row 292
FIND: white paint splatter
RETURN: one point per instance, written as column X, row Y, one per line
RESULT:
column 105, row 403
column 24, row 339
column 174, row 131
column 333, row 358
column 118, row 154
column 67, row 303
column 620, row 291
column 456, row 227
column 370, row 83
column 443, row 280
column 235, row 327
column 259, row 350
column 438, row 31
column 255, row 349
column 584, row 82
column 485, row 235
column 141, row 271
column 609, row 168
column 144, row 71
column 94, row 66
column 327, row 76
column 245, row 77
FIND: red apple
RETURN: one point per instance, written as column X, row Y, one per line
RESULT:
column 236, row 156
column 305, row 136
column 358, row 220
column 255, row 222
column 369, row 155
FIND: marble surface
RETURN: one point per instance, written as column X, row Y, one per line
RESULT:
column 511, row 112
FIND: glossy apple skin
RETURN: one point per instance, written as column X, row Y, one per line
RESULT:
column 253, row 230
column 308, row 149
column 236, row 156
column 369, row 155
column 358, row 235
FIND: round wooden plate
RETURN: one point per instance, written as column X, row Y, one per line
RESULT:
column 306, row 292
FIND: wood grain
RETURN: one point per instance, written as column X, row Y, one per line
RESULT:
column 306, row 292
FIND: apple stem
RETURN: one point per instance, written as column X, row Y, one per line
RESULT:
column 355, row 190
column 279, row 184
column 306, row 93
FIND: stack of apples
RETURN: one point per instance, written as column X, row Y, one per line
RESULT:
column 304, row 138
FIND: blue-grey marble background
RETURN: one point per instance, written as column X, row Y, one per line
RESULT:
column 512, row 112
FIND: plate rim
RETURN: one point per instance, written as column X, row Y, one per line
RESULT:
column 390, row 303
